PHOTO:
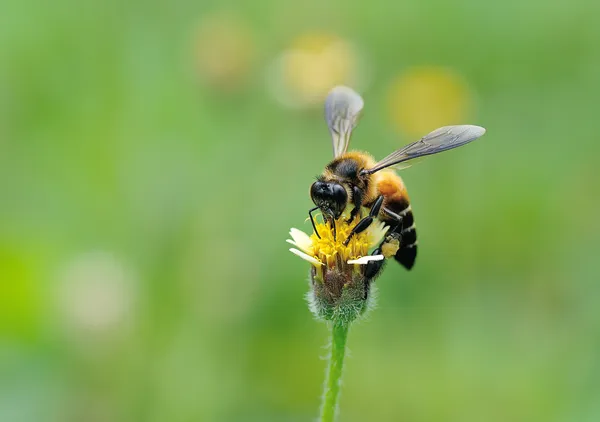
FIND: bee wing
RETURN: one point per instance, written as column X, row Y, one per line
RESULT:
column 342, row 110
column 439, row 140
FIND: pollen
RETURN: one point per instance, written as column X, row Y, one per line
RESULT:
column 330, row 251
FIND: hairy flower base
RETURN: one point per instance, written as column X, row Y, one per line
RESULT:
column 340, row 297
column 339, row 289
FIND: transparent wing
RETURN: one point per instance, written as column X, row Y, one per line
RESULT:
column 342, row 110
column 439, row 140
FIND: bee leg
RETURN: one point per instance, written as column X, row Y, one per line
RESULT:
column 373, row 267
column 366, row 222
column 334, row 229
column 372, row 271
column 357, row 198
column 396, row 217
column 393, row 232
column 353, row 214
column 312, row 220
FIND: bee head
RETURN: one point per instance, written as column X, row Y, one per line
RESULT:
column 330, row 197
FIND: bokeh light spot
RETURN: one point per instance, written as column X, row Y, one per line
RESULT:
column 96, row 293
column 425, row 98
column 314, row 63
column 224, row 50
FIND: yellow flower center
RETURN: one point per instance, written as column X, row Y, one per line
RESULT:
column 331, row 251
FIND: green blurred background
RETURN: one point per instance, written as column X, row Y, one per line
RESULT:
column 153, row 156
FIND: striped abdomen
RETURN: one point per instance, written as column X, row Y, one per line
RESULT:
column 397, row 203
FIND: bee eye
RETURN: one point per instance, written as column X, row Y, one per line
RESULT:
column 318, row 189
column 339, row 194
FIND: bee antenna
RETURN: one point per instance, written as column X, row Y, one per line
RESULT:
column 334, row 229
column 312, row 220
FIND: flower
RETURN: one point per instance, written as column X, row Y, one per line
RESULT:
column 330, row 250
column 340, row 280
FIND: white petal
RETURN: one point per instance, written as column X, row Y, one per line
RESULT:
column 306, row 257
column 301, row 240
column 376, row 232
column 291, row 242
column 363, row 260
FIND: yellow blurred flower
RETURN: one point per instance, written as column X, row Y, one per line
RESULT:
column 427, row 97
column 224, row 50
column 304, row 73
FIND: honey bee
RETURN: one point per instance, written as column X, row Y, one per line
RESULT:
column 354, row 182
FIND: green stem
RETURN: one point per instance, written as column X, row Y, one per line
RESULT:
column 339, row 334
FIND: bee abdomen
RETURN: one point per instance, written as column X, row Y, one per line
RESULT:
column 399, row 215
column 407, row 253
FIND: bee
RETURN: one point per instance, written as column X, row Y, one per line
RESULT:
column 353, row 181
